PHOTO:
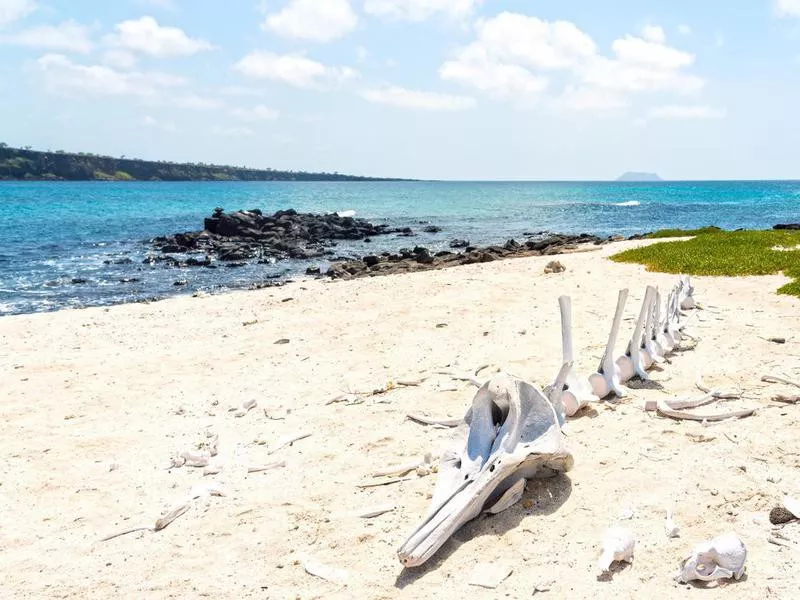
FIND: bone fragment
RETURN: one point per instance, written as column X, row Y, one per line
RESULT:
column 287, row 441
column 775, row 379
column 375, row 511
column 267, row 467
column 171, row 516
column 193, row 458
column 666, row 411
column 435, row 421
column 246, row 408
column 402, row 469
column 317, row 569
column 786, row 399
column 385, row 482
column 618, row 545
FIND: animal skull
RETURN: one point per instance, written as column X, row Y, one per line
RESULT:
column 513, row 433
column 721, row 558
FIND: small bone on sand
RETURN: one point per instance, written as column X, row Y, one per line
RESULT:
column 278, row 464
column 287, row 441
column 317, row 569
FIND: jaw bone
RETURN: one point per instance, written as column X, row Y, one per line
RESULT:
column 607, row 379
column 514, row 434
column 652, row 350
column 578, row 392
column 632, row 362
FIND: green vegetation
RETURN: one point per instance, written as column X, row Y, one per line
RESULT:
column 729, row 253
column 670, row 233
column 24, row 163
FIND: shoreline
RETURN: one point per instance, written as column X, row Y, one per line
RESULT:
column 96, row 402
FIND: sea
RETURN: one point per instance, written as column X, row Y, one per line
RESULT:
column 79, row 244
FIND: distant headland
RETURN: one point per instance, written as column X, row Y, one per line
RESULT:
column 28, row 164
column 636, row 176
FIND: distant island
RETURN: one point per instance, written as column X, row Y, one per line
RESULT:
column 28, row 164
column 636, row 176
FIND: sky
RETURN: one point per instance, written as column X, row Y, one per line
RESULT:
column 430, row 89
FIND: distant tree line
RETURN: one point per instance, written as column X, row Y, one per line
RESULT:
column 27, row 164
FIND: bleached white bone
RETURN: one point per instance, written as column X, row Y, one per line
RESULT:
column 514, row 432
column 577, row 392
column 652, row 351
column 606, row 380
column 631, row 363
column 687, row 301
column 674, row 316
column 664, row 337
column 618, row 545
column 721, row 558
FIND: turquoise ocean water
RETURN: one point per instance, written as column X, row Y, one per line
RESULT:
column 52, row 233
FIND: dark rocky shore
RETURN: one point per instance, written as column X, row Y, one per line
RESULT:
column 233, row 239
column 420, row 259
column 249, row 234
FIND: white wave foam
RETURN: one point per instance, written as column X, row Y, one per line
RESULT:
column 628, row 203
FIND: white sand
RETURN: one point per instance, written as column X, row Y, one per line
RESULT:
column 94, row 403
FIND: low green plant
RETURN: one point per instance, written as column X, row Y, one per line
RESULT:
column 670, row 233
column 728, row 253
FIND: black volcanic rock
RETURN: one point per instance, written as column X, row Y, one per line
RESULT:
column 789, row 226
column 249, row 234
column 421, row 259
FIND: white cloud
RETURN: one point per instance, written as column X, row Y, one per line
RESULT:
column 69, row 36
column 146, row 36
column 626, row 77
column 684, row 29
column 168, row 126
column 531, row 42
column 418, row 100
column 582, row 98
column 314, row 20
column 675, row 111
column 14, row 10
column 654, row 33
column 514, row 55
column 62, row 76
column 293, row 69
column 232, row 131
column 255, row 113
column 119, row 59
column 195, row 102
column 787, row 8
column 636, row 51
column 420, row 10
column 473, row 67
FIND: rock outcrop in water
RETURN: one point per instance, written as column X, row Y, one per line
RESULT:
column 420, row 259
column 249, row 234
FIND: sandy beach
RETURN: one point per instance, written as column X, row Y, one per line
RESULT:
column 95, row 402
